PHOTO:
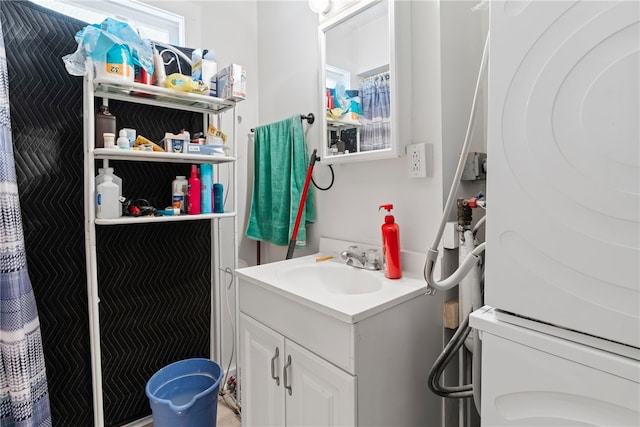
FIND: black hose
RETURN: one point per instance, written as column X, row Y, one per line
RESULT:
column 437, row 370
column 329, row 186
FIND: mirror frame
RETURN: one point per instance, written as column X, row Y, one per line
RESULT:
column 331, row 21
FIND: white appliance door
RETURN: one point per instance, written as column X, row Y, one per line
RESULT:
column 530, row 378
column 563, row 234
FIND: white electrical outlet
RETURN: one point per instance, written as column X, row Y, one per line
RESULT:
column 418, row 160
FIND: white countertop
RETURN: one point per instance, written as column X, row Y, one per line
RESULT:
column 349, row 308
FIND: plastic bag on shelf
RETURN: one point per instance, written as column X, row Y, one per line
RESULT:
column 182, row 83
column 111, row 37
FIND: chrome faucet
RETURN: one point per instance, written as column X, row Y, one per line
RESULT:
column 358, row 259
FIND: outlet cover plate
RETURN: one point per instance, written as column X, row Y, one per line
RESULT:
column 419, row 157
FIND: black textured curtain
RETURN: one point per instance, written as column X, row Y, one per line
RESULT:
column 154, row 279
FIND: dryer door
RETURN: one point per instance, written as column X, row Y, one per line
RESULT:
column 563, row 222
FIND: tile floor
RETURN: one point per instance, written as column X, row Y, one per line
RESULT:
column 226, row 417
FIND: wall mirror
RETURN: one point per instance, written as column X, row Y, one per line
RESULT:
column 360, row 51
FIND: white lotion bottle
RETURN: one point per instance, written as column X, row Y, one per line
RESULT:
column 123, row 140
column 179, row 188
column 108, row 199
column 116, row 179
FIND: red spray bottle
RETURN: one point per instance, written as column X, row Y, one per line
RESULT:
column 391, row 245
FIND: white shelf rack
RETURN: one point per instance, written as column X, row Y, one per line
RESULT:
column 210, row 108
column 159, row 96
column 158, row 156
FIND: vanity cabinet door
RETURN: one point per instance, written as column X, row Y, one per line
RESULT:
column 262, row 356
column 320, row 394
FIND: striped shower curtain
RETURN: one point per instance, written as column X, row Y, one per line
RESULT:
column 24, row 395
column 375, row 133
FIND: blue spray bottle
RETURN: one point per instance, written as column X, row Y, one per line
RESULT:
column 206, row 181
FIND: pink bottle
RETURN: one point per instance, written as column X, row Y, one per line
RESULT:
column 193, row 207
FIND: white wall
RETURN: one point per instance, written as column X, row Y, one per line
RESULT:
column 462, row 46
column 288, row 84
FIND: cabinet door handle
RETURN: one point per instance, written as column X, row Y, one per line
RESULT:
column 273, row 366
column 284, row 372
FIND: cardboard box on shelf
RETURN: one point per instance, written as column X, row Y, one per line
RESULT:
column 204, row 149
column 232, row 82
column 174, row 143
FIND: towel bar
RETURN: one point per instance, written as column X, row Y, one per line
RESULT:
column 310, row 118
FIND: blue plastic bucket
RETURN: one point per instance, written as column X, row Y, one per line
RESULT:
column 185, row 394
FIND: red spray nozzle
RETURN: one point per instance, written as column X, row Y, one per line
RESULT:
column 387, row 207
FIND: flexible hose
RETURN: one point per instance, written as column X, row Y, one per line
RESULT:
column 229, row 273
column 479, row 224
column 437, row 370
column 234, row 404
column 469, row 292
column 432, row 253
column 451, row 281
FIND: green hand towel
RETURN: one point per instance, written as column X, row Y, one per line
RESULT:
column 280, row 168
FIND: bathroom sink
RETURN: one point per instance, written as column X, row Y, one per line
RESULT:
column 324, row 283
column 334, row 278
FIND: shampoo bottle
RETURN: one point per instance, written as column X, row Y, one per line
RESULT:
column 218, row 200
column 390, row 245
column 206, row 180
column 193, row 202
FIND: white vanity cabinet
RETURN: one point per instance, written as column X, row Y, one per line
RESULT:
column 350, row 359
column 285, row 384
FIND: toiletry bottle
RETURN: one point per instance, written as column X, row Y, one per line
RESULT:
column 179, row 188
column 390, row 245
column 218, row 201
column 107, row 199
column 119, row 64
column 159, row 73
column 206, row 178
column 123, row 140
column 193, row 194
column 105, row 123
column 102, row 172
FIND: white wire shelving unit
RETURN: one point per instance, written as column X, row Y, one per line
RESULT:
column 211, row 109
